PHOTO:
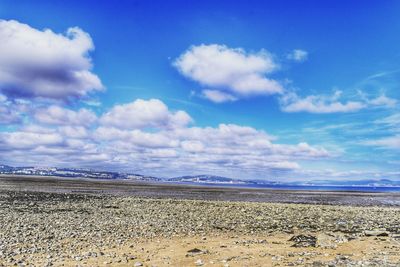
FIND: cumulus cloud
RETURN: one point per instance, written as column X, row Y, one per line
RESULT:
column 128, row 140
column 11, row 112
column 291, row 102
column 146, row 135
column 144, row 114
column 298, row 55
column 77, row 132
column 9, row 116
column 28, row 140
column 198, row 149
column 233, row 71
column 218, row 96
column 61, row 116
column 192, row 146
column 41, row 63
column 382, row 100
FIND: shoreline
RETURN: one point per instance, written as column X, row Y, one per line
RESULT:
column 210, row 185
column 162, row 190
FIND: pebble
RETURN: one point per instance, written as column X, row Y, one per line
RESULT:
column 108, row 221
column 199, row 262
column 376, row 233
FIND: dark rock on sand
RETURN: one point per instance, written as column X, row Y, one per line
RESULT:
column 304, row 240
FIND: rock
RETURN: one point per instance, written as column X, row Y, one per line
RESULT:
column 138, row 264
column 303, row 241
column 317, row 264
column 325, row 241
column 376, row 233
column 199, row 262
column 195, row 251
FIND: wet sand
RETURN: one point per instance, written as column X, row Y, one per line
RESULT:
column 166, row 190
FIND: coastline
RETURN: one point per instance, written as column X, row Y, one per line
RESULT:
column 163, row 190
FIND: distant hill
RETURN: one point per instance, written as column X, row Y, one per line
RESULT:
column 5, row 168
column 74, row 172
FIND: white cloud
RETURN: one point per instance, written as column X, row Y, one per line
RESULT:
column 78, row 132
column 192, row 146
column 126, row 140
column 9, row 115
column 146, row 135
column 11, row 112
column 218, row 96
column 28, row 140
column 391, row 142
column 196, row 149
column 383, row 100
column 61, row 116
column 392, row 120
column 232, row 70
column 144, row 114
column 298, row 55
column 41, row 63
column 291, row 102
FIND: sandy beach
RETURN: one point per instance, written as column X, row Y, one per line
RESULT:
column 99, row 229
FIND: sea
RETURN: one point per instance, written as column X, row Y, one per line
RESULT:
column 386, row 189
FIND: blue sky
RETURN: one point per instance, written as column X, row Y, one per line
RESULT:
column 250, row 89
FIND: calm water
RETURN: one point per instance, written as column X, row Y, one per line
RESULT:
column 304, row 187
